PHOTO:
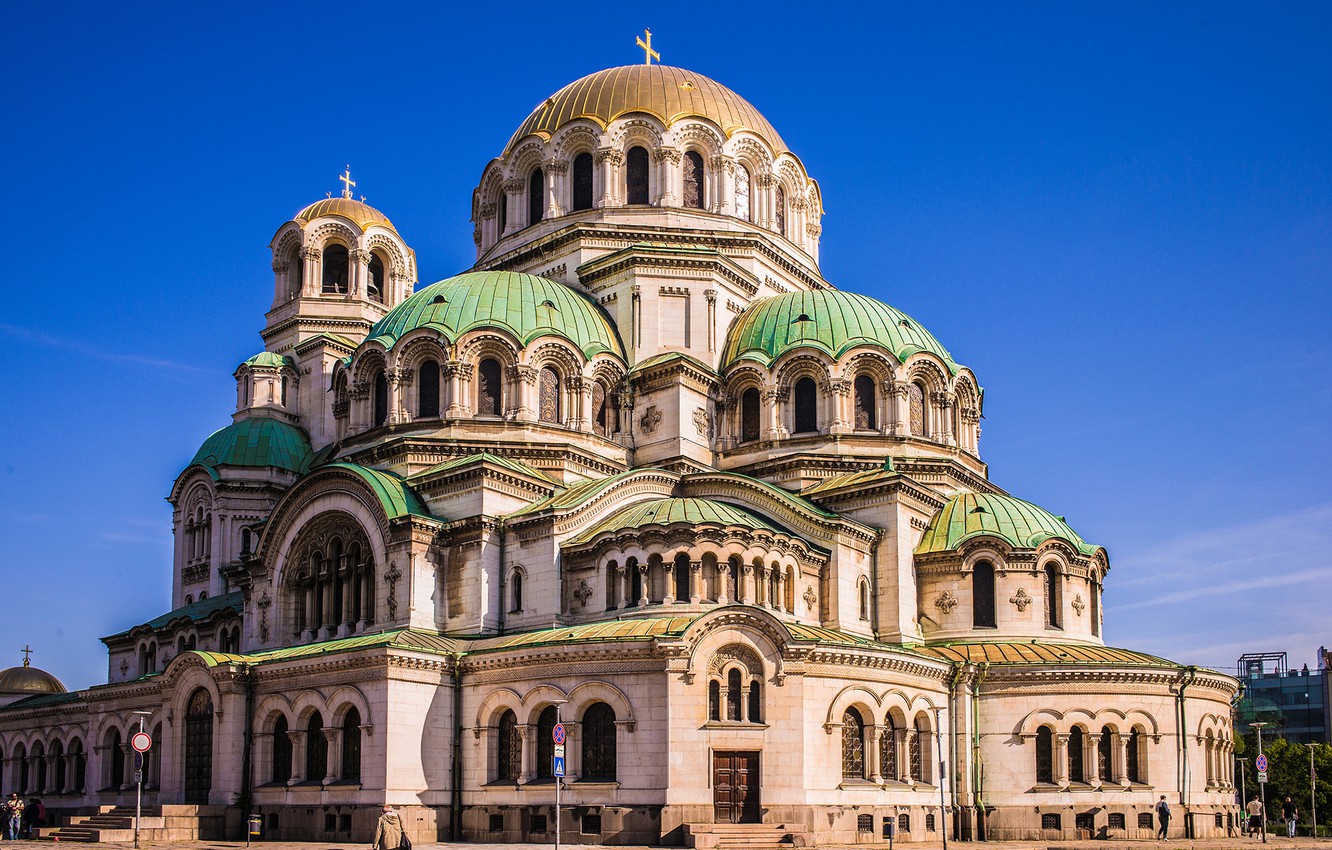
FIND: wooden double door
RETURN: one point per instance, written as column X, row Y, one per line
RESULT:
column 735, row 787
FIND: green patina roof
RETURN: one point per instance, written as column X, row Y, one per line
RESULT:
column 257, row 441
column 1030, row 652
column 394, row 495
column 659, row 359
column 486, row 457
column 837, row 322
column 670, row 511
column 577, row 493
column 610, row 631
column 195, row 611
column 268, row 358
column 525, row 305
column 781, row 494
column 1021, row 524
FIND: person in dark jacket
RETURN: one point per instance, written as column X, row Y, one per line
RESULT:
column 1163, row 815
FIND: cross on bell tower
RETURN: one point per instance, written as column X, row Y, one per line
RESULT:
column 347, row 183
column 27, row 650
column 648, row 53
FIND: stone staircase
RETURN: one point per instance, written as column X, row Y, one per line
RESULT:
column 116, row 823
column 742, row 836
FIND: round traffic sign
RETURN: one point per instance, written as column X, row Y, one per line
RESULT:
column 1261, row 763
column 142, row 742
column 557, row 734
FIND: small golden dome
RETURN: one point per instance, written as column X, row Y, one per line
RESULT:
column 669, row 94
column 28, row 680
column 358, row 211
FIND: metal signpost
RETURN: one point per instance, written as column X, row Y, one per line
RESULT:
column 1261, row 763
column 1313, row 801
column 141, row 742
column 557, row 769
column 943, row 811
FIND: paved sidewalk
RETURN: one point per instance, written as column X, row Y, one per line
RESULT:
column 1275, row 842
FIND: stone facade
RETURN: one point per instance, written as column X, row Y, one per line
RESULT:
column 645, row 470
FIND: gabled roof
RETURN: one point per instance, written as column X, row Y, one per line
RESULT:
column 486, row 457
column 195, row 612
column 395, row 497
column 695, row 512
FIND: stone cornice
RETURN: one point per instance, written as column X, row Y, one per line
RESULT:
column 636, row 258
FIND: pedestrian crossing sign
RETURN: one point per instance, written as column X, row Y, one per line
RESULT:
column 559, row 766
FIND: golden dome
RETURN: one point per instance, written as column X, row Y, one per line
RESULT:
column 27, row 680
column 358, row 211
column 669, row 94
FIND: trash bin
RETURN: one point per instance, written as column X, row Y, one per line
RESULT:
column 256, row 825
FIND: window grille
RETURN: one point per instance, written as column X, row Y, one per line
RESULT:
column 1050, row 822
column 864, row 823
column 1115, row 820
column 599, row 755
column 1045, row 755
column 1144, row 820
column 538, row 824
column 1085, row 821
column 497, row 823
column 853, row 745
column 929, row 822
column 590, row 825
column 904, row 823
column 888, row 751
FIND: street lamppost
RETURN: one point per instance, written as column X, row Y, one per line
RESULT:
column 559, row 780
column 1262, row 786
column 138, row 779
column 1313, row 784
column 1244, row 792
column 943, row 811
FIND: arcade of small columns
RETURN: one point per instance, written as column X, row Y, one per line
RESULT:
column 942, row 418
column 527, row 739
column 708, row 571
column 61, row 772
column 520, row 397
column 333, row 740
column 307, row 262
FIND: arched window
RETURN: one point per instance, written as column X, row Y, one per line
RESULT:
column 920, row 750
column 888, row 750
column 351, row 746
column 635, row 581
column 281, row 751
column 774, row 585
column 516, row 593
column 853, row 745
column 198, row 748
column 58, row 766
column 806, row 406
column 427, row 402
column 502, row 211
column 1045, row 755
column 316, row 749
column 636, row 176
column 1132, row 757
column 714, row 700
column 582, row 181
column 1104, row 751
column 375, row 286
column 916, row 409
column 380, row 399
column 864, row 600
column 1053, row 598
column 335, row 270
column 755, row 707
column 866, row 403
column 780, row 211
column 742, row 208
column 749, row 415
column 1076, row 763
column 604, row 421
column 682, row 576
column 295, row 272
column 283, row 394
column 489, row 390
column 509, row 748
column 545, row 746
column 536, row 201
column 734, row 695
column 599, row 760
column 549, row 395
column 79, row 763
column 982, row 595
column 1094, row 591
column 693, row 180
column 733, row 578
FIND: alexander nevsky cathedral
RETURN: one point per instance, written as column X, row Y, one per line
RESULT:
column 641, row 470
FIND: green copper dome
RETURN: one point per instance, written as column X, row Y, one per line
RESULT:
column 1021, row 524
column 256, row 442
column 695, row 512
column 829, row 320
column 525, row 305
column 271, row 360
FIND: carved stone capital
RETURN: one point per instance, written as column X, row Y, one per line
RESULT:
column 557, row 166
column 514, row 185
column 668, row 155
column 615, row 157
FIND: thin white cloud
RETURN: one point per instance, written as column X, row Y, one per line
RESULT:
column 1266, row 582
column 45, row 339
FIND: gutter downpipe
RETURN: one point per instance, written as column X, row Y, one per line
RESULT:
column 247, row 762
column 455, row 792
column 977, row 769
column 503, row 569
column 1186, row 679
column 958, row 669
column 874, row 582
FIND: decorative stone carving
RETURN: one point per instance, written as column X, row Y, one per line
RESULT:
column 701, row 421
column 1020, row 599
column 946, row 602
column 583, row 593
column 810, row 597
column 1078, row 604
column 650, row 419
column 391, row 579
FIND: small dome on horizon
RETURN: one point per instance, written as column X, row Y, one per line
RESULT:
column 26, row 681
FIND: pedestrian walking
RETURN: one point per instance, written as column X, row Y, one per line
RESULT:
column 1290, row 814
column 1255, row 812
column 1163, row 816
column 389, row 834
column 13, row 816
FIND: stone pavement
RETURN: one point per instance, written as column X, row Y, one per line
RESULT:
column 1276, row 842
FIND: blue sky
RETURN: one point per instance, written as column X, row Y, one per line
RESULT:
column 1118, row 214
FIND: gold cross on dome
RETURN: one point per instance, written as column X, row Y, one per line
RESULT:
column 347, row 183
column 27, row 650
column 648, row 53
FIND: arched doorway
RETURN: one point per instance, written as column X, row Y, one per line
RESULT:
column 199, row 747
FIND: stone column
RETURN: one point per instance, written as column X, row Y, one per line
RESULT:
column 359, row 285
column 840, row 395
column 668, row 176
column 297, row 737
column 311, row 283
column 903, row 754
column 668, row 582
column 526, row 734
column 872, row 752
column 725, row 170
column 899, row 422
column 1061, row 758
column 333, row 740
column 770, row 397
column 642, row 584
column 622, row 576
column 523, row 379
column 555, row 171
column 127, row 781
column 511, row 197
column 608, row 162
column 746, row 584
column 711, row 296
column 573, row 761
column 723, row 582
column 780, row 602
column 695, row 582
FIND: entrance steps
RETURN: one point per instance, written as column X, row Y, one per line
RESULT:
column 116, row 823
column 742, row 836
